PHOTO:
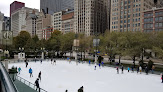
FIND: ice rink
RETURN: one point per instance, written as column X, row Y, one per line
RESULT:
column 62, row 76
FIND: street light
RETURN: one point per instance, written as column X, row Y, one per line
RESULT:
column 76, row 45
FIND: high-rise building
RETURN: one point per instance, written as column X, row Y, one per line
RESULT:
column 18, row 19
column 52, row 6
column 16, row 5
column 6, row 23
column 1, row 26
column 126, row 15
column 90, row 16
column 57, row 20
column 153, row 20
column 158, row 3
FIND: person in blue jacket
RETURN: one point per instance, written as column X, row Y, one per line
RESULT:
column 99, row 65
column 128, row 69
column 19, row 69
column 30, row 72
column 89, row 62
column 102, row 64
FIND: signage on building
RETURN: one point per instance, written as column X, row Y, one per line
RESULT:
column 7, row 37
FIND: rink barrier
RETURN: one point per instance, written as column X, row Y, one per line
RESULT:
column 33, row 86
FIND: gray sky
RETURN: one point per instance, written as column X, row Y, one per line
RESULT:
column 5, row 5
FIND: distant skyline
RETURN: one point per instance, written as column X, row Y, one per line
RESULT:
column 5, row 5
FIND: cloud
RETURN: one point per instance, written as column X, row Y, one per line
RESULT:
column 5, row 5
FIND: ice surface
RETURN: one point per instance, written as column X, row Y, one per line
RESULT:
column 62, row 76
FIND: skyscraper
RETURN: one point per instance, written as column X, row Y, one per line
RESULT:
column 16, row 5
column 90, row 16
column 52, row 6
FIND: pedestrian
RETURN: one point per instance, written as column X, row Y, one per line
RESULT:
column 69, row 61
column 66, row 90
column 37, row 84
column 140, row 69
column 19, row 69
column 80, row 89
column 95, row 67
column 41, row 61
column 54, row 62
column 146, row 70
column 51, row 60
column 117, row 70
column 35, row 59
column 99, row 65
column 39, row 75
column 162, row 78
column 89, row 62
column 102, row 64
column 153, row 67
column 122, row 69
column 30, row 72
column 132, row 68
column 26, row 62
column 128, row 69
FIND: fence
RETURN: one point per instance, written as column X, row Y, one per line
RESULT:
column 29, row 83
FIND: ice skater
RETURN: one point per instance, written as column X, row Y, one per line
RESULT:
column 19, row 69
column 102, row 64
column 89, row 62
column 162, row 78
column 80, row 89
column 37, row 84
column 153, row 67
column 69, row 61
column 39, row 75
column 41, row 61
column 132, row 68
column 95, row 67
column 140, row 69
column 122, row 69
column 54, row 62
column 35, row 59
column 99, row 65
column 117, row 70
column 51, row 60
column 26, row 63
column 66, row 90
column 128, row 69
column 146, row 70
column 30, row 72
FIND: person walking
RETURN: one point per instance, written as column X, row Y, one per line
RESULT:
column 128, row 69
column 117, row 70
column 140, row 69
column 19, row 69
column 122, row 69
column 37, row 84
column 30, row 72
column 80, row 89
column 39, row 75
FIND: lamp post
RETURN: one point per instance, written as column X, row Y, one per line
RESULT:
column 21, row 52
column 42, row 55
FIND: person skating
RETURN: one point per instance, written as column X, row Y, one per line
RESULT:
column 162, row 78
column 128, row 69
column 95, row 67
column 153, row 67
column 146, row 70
column 122, row 68
column 132, row 67
column 140, row 69
column 66, row 90
column 39, row 75
column 89, row 62
column 54, row 62
column 35, row 59
column 19, row 69
column 30, row 72
column 117, row 70
column 51, row 60
column 26, row 62
column 102, row 64
column 37, row 84
column 41, row 61
column 80, row 89
column 99, row 65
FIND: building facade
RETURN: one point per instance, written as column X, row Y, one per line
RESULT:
column 158, row 3
column 57, row 20
column 153, row 20
column 16, row 5
column 126, row 15
column 7, row 24
column 52, row 6
column 18, row 19
column 47, row 31
column 1, row 26
column 90, row 16
column 43, row 21
column 68, row 22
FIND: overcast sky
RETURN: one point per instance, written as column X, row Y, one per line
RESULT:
column 5, row 5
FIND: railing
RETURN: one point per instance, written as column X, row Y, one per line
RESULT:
column 29, row 83
column 6, row 84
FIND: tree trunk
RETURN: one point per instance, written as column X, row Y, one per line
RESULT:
column 134, row 61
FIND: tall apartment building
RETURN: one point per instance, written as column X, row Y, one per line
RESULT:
column 127, row 15
column 153, row 20
column 52, row 6
column 90, row 16
column 1, row 26
column 18, row 19
column 6, row 24
column 16, row 5
column 57, row 20
column 68, row 22
column 158, row 3
column 43, row 21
